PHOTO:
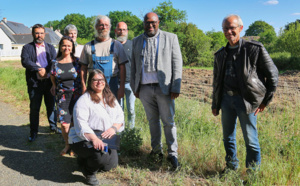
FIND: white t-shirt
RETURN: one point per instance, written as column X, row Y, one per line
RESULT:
column 89, row 116
column 78, row 50
column 103, row 49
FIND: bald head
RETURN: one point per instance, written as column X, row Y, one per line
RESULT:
column 232, row 27
column 121, row 32
column 150, row 15
column 151, row 24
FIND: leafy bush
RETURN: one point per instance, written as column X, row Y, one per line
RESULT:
column 131, row 141
column 294, row 63
column 284, row 61
column 82, row 41
column 281, row 59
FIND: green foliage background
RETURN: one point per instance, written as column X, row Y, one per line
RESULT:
column 197, row 47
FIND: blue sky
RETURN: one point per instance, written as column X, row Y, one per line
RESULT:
column 206, row 14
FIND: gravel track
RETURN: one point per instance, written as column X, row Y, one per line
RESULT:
column 36, row 163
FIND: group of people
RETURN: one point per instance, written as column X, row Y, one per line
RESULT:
column 149, row 68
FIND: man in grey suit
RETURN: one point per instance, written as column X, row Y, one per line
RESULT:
column 156, row 73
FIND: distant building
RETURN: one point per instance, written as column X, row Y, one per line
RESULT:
column 13, row 36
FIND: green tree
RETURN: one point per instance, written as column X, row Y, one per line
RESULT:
column 287, row 27
column 166, row 13
column 266, row 33
column 258, row 27
column 91, row 23
column 54, row 24
column 218, row 40
column 81, row 22
column 195, row 45
column 134, row 24
column 289, row 40
column 268, row 39
column 84, row 25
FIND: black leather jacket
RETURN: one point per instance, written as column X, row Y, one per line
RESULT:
column 257, row 75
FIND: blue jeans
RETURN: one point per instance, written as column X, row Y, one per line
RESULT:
column 130, row 101
column 36, row 96
column 233, row 107
column 159, row 106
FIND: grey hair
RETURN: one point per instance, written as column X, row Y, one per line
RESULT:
column 240, row 22
column 99, row 17
column 68, row 28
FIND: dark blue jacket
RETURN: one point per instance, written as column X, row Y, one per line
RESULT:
column 29, row 58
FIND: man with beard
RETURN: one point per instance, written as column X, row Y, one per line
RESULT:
column 156, row 73
column 106, row 54
column 121, row 32
column 36, row 58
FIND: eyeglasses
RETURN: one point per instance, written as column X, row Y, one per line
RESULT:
column 121, row 30
column 148, row 23
column 98, row 80
column 103, row 25
column 233, row 28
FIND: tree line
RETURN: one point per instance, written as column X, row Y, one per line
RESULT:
column 197, row 47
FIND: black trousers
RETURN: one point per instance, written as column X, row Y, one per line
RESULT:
column 93, row 160
column 36, row 95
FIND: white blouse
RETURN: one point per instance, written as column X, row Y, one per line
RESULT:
column 89, row 116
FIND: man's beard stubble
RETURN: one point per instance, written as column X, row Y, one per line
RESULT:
column 39, row 40
column 122, row 38
column 103, row 34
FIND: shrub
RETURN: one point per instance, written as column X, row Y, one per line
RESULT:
column 284, row 61
column 82, row 41
column 281, row 59
column 131, row 141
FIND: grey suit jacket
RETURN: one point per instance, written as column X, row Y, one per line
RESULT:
column 169, row 63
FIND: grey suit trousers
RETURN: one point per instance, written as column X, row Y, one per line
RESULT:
column 160, row 106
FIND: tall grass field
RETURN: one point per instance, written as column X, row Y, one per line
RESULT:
column 201, row 150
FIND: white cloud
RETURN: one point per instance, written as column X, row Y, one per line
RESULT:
column 271, row 2
column 296, row 14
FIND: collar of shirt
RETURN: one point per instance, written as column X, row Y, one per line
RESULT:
column 41, row 45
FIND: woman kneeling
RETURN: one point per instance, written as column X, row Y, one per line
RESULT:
column 96, row 110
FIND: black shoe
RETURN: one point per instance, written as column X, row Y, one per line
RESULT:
column 156, row 157
column 91, row 179
column 55, row 129
column 174, row 162
column 226, row 171
column 32, row 137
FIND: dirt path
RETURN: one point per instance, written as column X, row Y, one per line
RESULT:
column 37, row 163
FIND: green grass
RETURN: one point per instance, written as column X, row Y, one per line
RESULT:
column 204, row 68
column 201, row 150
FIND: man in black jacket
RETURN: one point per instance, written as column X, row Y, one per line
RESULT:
column 245, row 80
column 36, row 58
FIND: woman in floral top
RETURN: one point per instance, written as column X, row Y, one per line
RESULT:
column 65, row 77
